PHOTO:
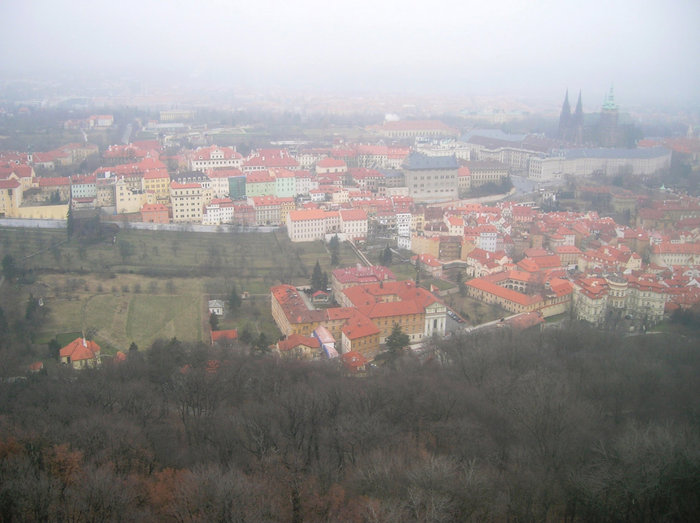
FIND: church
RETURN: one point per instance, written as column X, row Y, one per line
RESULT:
column 602, row 130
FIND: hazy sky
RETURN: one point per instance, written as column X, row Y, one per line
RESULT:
column 649, row 49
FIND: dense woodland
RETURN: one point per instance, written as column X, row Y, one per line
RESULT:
column 571, row 425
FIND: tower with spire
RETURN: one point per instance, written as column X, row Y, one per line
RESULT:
column 577, row 122
column 608, row 132
column 564, row 118
column 571, row 125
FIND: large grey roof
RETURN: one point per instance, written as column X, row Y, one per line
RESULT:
column 494, row 134
column 417, row 161
column 613, row 153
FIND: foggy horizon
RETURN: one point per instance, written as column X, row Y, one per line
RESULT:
column 644, row 49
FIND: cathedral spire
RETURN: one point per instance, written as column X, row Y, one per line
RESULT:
column 564, row 117
column 609, row 103
column 579, row 106
column 577, row 122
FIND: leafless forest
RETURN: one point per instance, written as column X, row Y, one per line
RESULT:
column 562, row 425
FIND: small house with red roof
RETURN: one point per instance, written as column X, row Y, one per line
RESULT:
column 81, row 354
column 299, row 346
column 354, row 362
column 224, row 336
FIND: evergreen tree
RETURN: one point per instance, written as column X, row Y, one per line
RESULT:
column 246, row 336
column 214, row 321
column 334, row 246
column 386, row 257
column 396, row 341
column 262, row 343
column 317, row 278
column 234, row 299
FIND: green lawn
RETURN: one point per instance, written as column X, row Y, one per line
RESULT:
column 157, row 289
column 153, row 317
column 474, row 311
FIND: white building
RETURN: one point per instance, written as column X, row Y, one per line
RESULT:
column 585, row 162
column 353, row 224
column 205, row 158
column 219, row 210
column 311, row 224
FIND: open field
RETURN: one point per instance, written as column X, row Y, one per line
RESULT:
column 157, row 287
column 126, row 308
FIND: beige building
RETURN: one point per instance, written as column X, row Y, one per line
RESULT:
column 128, row 200
column 187, row 202
column 486, row 171
column 431, row 178
column 640, row 298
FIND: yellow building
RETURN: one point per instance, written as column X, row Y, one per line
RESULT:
column 426, row 245
column 43, row 212
column 10, row 197
column 158, row 183
column 291, row 313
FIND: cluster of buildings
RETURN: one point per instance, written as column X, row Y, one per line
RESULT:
column 525, row 260
column 371, row 302
column 422, row 161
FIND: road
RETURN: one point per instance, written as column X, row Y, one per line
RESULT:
column 523, row 185
column 127, row 134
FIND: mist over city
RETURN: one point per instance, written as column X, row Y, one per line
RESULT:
column 385, row 261
column 531, row 50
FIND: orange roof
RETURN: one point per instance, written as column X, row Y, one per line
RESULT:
column 359, row 326
column 502, row 292
column 224, row 335
column 330, row 162
column 296, row 340
column 567, row 249
column 390, row 298
column 176, row 185
column 80, row 349
column 353, row 214
column 353, row 360
column 307, row 214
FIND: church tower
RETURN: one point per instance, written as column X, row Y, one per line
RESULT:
column 577, row 122
column 608, row 133
column 565, row 118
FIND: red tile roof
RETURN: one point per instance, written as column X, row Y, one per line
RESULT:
column 9, row 184
column 353, row 215
column 224, row 335
column 354, row 361
column 80, row 349
column 296, row 340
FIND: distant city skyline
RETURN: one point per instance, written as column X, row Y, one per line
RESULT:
column 647, row 50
